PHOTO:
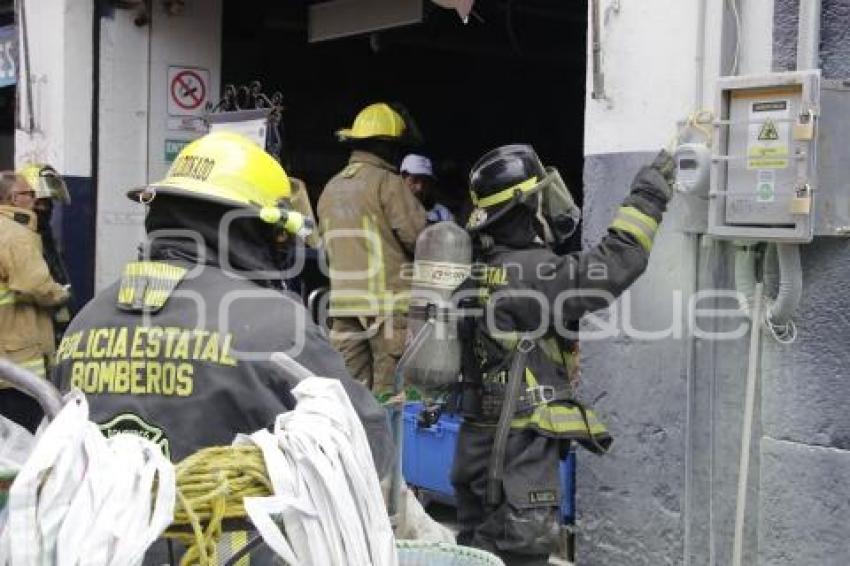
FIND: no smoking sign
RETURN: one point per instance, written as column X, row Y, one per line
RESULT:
column 188, row 89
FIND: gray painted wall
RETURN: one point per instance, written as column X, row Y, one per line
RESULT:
column 628, row 501
column 632, row 502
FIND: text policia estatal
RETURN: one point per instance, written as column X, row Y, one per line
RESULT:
column 143, row 360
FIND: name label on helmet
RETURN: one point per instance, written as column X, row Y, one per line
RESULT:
column 192, row 167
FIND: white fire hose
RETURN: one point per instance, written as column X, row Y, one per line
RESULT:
column 326, row 488
column 83, row 499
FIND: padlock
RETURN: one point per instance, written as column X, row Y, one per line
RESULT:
column 804, row 128
column 802, row 202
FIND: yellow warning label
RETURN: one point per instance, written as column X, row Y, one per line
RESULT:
column 761, row 157
column 769, row 140
column 768, row 132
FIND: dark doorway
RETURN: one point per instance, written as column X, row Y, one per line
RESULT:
column 8, row 69
column 514, row 73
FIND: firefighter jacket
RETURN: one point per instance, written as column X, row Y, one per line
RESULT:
column 27, row 292
column 369, row 224
column 301, row 202
column 178, row 352
column 535, row 292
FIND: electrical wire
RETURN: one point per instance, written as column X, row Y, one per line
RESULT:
column 700, row 121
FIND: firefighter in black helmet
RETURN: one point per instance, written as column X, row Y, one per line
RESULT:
column 520, row 414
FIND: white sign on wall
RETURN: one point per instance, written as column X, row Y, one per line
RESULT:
column 188, row 91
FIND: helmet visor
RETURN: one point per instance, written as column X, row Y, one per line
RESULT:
column 558, row 207
column 51, row 185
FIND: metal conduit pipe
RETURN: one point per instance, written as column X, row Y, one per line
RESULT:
column 782, row 308
column 808, row 35
column 691, row 286
column 770, row 272
column 745, row 275
column 783, row 272
column 598, row 77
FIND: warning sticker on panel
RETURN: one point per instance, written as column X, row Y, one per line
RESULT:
column 768, row 139
column 766, row 186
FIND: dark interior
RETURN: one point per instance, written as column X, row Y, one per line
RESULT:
column 514, row 73
column 7, row 93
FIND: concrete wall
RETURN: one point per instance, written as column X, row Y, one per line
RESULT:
column 666, row 493
column 59, row 131
column 806, row 390
column 629, row 501
column 133, row 117
column 60, row 42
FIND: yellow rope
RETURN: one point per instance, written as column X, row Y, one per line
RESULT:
column 211, row 485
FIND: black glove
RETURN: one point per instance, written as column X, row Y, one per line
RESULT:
column 653, row 185
column 664, row 164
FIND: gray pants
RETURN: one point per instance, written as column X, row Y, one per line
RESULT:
column 523, row 528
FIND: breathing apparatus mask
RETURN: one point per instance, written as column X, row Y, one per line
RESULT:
column 513, row 175
column 557, row 212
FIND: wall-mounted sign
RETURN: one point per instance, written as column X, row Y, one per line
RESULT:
column 253, row 124
column 8, row 55
column 195, row 124
column 188, row 91
column 173, row 147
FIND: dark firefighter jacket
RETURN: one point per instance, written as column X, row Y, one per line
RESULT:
column 191, row 368
column 533, row 290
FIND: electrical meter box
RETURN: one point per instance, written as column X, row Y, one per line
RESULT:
column 782, row 168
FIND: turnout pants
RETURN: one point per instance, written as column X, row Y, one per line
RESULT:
column 18, row 406
column 523, row 528
column 371, row 347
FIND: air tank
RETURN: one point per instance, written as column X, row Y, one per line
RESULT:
column 442, row 262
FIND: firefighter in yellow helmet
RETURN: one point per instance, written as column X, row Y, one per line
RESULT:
column 369, row 224
column 27, row 296
column 50, row 190
column 177, row 350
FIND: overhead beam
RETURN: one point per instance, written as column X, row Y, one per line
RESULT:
column 343, row 18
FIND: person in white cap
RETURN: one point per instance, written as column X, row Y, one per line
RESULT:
column 418, row 175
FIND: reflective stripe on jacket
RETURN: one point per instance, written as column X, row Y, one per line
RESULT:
column 369, row 223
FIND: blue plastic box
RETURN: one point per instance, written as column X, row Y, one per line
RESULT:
column 429, row 453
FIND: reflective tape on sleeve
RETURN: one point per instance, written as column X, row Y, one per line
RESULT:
column 632, row 221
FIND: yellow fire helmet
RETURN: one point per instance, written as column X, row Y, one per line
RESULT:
column 377, row 120
column 45, row 181
column 229, row 169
